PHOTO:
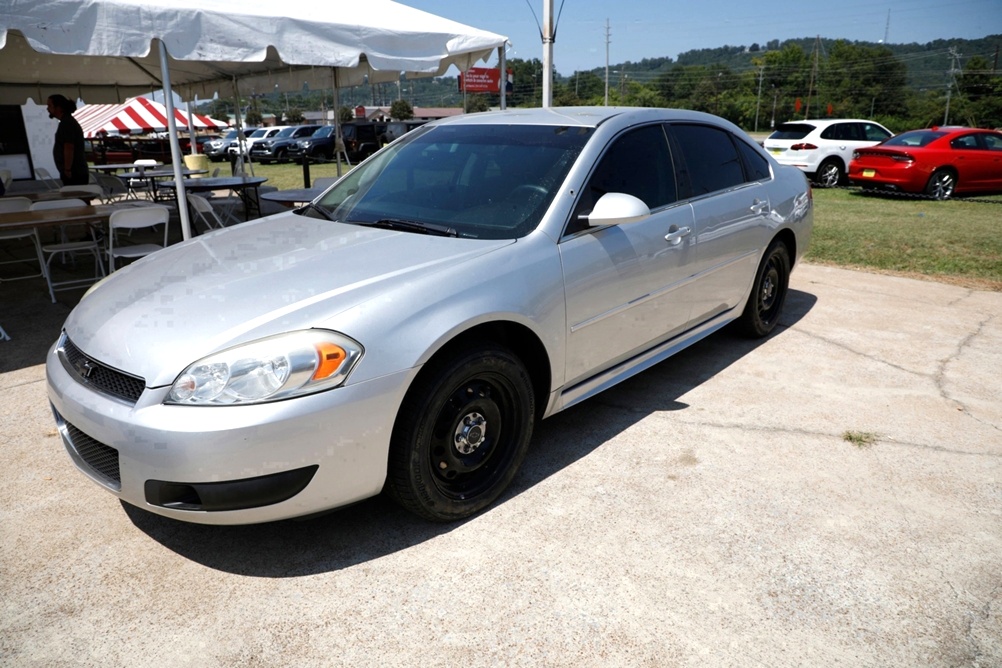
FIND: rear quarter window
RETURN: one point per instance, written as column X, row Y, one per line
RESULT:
column 756, row 166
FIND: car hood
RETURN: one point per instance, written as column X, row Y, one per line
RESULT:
column 286, row 272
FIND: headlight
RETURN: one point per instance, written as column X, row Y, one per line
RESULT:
column 274, row 368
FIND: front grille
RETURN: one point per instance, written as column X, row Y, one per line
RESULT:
column 102, row 378
column 100, row 458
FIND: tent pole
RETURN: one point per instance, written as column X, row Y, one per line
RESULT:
column 175, row 146
column 193, row 145
column 338, row 139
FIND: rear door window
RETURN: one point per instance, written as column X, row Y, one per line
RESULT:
column 709, row 159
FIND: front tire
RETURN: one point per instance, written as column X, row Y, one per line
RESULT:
column 461, row 434
column 765, row 304
column 941, row 184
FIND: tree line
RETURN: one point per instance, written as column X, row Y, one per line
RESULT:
column 756, row 87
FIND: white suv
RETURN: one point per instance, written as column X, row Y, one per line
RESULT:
column 823, row 148
column 255, row 137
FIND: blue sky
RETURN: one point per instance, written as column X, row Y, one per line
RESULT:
column 655, row 28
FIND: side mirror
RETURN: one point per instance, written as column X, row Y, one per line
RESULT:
column 617, row 209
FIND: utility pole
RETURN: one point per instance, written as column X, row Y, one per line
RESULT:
column 607, row 40
column 758, row 103
column 814, row 72
column 952, row 72
column 548, row 38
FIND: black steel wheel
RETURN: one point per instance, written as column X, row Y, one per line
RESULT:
column 941, row 184
column 765, row 303
column 461, row 434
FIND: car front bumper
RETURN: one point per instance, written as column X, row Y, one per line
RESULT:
column 230, row 464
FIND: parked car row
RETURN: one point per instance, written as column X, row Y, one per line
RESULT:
column 938, row 162
column 109, row 150
column 218, row 148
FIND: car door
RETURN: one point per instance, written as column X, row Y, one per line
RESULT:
column 978, row 166
column 992, row 144
column 626, row 285
column 727, row 181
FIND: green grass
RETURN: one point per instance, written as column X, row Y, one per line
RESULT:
column 957, row 241
column 286, row 175
column 861, row 439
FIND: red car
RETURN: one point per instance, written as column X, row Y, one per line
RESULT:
column 939, row 162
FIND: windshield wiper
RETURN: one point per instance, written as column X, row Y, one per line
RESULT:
column 315, row 207
column 413, row 226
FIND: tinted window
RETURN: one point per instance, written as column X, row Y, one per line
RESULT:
column 484, row 181
column 872, row 132
column 914, row 138
column 792, row 131
column 838, row 131
column 992, row 142
column 965, row 142
column 756, row 166
column 711, row 160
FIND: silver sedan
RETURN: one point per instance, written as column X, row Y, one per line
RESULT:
column 405, row 331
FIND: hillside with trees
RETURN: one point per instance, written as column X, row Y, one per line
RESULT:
column 755, row 86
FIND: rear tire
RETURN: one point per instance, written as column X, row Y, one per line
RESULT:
column 765, row 303
column 461, row 434
column 941, row 184
column 829, row 174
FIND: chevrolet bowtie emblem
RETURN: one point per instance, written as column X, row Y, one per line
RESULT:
column 85, row 368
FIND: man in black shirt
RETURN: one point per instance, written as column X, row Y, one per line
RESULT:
column 68, row 150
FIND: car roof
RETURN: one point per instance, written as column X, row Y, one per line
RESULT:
column 576, row 116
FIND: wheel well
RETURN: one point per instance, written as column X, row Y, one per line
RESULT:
column 790, row 239
column 837, row 160
column 517, row 338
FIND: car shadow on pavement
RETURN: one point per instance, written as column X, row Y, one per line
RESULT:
column 377, row 527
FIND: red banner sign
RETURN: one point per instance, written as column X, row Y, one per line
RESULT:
column 480, row 80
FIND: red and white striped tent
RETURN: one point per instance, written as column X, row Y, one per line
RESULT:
column 137, row 115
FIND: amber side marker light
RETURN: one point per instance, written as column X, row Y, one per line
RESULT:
column 330, row 359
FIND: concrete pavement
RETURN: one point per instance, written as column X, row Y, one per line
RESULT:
column 830, row 496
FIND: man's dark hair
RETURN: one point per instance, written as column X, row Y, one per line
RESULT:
column 61, row 101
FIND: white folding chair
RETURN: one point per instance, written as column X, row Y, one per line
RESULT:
column 205, row 212
column 131, row 219
column 12, row 205
column 141, row 185
column 113, row 188
column 43, row 175
column 71, row 248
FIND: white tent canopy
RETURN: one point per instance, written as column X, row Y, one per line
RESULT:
column 103, row 50
column 111, row 50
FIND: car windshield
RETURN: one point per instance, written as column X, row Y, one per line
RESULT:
column 914, row 138
column 325, row 131
column 792, row 131
column 481, row 181
column 287, row 132
column 259, row 133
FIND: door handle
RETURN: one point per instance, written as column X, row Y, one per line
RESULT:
column 676, row 233
column 759, row 207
